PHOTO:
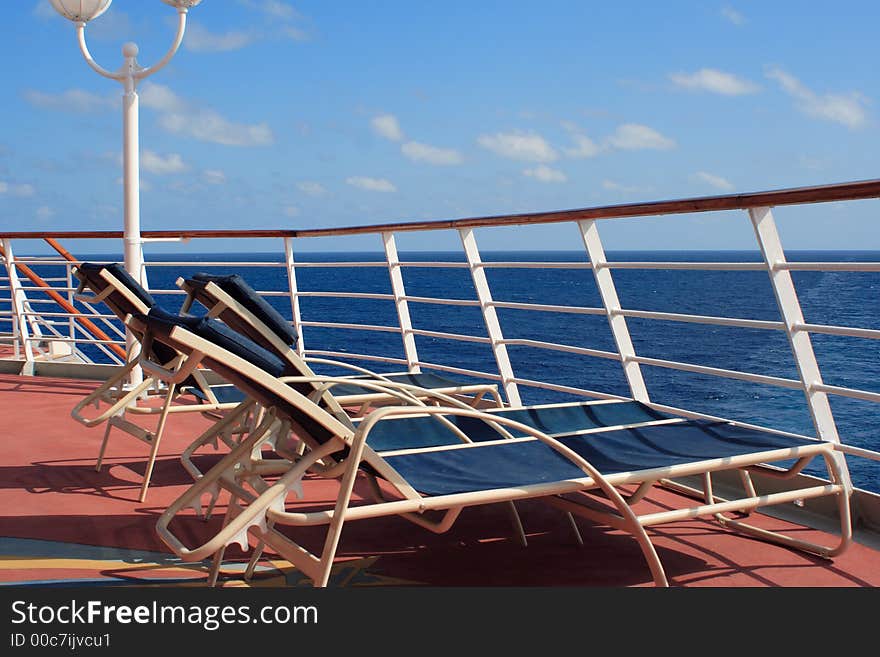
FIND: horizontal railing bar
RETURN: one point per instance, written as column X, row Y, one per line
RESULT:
column 849, row 191
column 451, row 336
column 442, row 302
column 696, row 266
column 354, row 356
column 702, row 319
column 34, row 260
column 858, row 451
column 583, row 392
column 263, row 293
column 347, row 295
column 577, row 310
column 322, row 265
column 716, row 371
column 428, row 263
column 522, row 264
column 33, row 313
column 841, row 391
column 357, row 327
column 830, row 266
column 459, row 370
column 35, row 288
column 848, row 331
column 583, row 351
column 95, row 341
column 170, row 291
column 162, row 263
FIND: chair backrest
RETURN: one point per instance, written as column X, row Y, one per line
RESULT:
column 252, row 369
column 239, row 290
column 239, row 306
column 115, row 287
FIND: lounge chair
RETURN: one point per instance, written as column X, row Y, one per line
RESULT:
column 232, row 300
column 115, row 287
column 579, row 470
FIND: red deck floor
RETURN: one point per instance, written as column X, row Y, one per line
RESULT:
column 61, row 521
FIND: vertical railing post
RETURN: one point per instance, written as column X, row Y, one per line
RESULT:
column 399, row 292
column 19, row 307
column 294, row 296
column 71, row 323
column 798, row 338
column 619, row 329
column 490, row 316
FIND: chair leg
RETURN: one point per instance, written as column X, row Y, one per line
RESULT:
column 574, row 528
column 517, row 524
column 157, row 437
column 103, row 449
column 214, row 574
column 254, row 560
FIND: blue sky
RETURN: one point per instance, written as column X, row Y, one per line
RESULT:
column 280, row 114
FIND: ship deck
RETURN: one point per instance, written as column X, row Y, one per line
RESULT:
column 64, row 523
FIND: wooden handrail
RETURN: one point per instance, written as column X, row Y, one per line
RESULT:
column 850, row 191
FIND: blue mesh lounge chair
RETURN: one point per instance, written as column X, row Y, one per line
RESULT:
column 124, row 296
column 523, row 460
column 231, row 299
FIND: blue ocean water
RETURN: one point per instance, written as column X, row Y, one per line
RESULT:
column 842, row 298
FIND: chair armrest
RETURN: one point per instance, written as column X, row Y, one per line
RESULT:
column 81, row 295
column 116, row 407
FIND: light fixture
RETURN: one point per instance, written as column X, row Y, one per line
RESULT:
column 129, row 75
column 81, row 11
column 181, row 4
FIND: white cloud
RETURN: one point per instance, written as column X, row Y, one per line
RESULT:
column 633, row 136
column 21, row 190
column 200, row 39
column 279, row 9
column 44, row 213
column 213, row 176
column 44, row 10
column 208, row 125
column 311, row 188
column 155, row 163
column 273, row 8
column 280, row 17
column 386, row 125
column 545, row 174
column 161, row 98
column 371, row 184
column 732, row 15
column 73, row 100
column 715, row 181
column 183, row 118
column 530, row 147
column 613, row 186
column 419, row 152
column 710, row 79
column 583, row 145
column 847, row 110
column 291, row 211
column 294, row 33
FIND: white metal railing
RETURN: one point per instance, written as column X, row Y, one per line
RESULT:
column 32, row 328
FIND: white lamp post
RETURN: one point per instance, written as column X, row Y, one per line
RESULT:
column 130, row 74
